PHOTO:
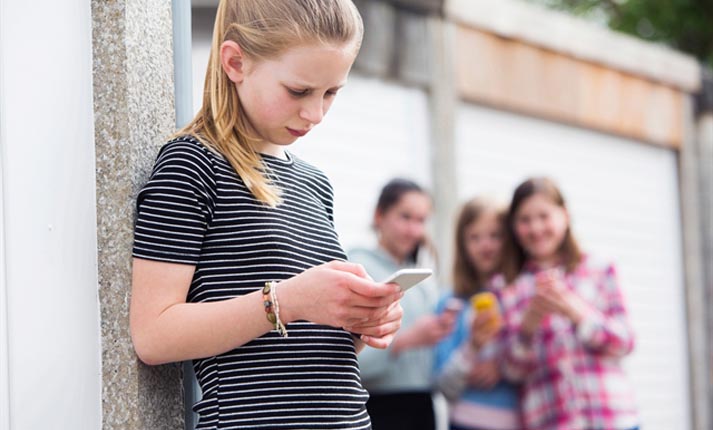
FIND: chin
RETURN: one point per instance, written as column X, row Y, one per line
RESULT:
column 544, row 253
column 285, row 141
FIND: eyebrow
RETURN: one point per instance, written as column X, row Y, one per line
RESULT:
column 311, row 88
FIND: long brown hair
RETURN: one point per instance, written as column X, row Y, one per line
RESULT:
column 264, row 29
column 466, row 278
column 514, row 256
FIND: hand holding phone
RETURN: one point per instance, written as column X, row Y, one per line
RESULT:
column 487, row 314
column 407, row 278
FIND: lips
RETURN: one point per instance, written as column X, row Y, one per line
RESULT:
column 297, row 133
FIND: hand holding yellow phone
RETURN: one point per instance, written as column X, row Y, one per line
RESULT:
column 487, row 302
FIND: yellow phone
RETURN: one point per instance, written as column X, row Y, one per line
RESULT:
column 484, row 301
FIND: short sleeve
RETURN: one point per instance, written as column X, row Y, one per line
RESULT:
column 176, row 205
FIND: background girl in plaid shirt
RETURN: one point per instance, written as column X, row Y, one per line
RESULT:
column 566, row 326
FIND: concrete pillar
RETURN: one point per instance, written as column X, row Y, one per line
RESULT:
column 134, row 115
column 704, row 142
column 443, row 102
column 696, row 297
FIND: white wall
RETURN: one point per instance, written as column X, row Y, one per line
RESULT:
column 624, row 201
column 48, row 196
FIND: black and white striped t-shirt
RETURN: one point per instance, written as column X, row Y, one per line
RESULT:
column 196, row 210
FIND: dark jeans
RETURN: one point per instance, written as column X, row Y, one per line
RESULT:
column 401, row 411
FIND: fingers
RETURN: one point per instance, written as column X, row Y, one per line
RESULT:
column 485, row 375
column 353, row 268
column 390, row 314
column 371, row 289
column 375, row 302
column 380, row 334
column 483, row 381
column 482, row 319
column 483, row 337
column 378, row 331
column 378, row 342
column 447, row 320
column 551, row 301
column 359, row 281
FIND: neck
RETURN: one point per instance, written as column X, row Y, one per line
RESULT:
column 483, row 278
column 399, row 259
column 547, row 262
column 271, row 149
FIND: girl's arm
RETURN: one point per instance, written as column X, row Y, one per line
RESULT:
column 164, row 328
column 462, row 358
column 606, row 330
column 427, row 331
column 517, row 338
column 452, row 369
column 451, row 364
column 518, row 358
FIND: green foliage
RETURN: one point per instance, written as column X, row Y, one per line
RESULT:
column 686, row 25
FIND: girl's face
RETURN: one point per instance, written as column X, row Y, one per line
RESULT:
column 403, row 226
column 483, row 242
column 540, row 227
column 285, row 97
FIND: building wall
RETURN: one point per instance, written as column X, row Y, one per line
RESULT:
column 51, row 341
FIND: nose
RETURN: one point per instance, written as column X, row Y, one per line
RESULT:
column 313, row 110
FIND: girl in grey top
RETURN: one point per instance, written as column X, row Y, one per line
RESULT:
column 399, row 378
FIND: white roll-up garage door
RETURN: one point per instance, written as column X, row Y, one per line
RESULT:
column 624, row 200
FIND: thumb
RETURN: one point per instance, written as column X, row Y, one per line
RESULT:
column 353, row 268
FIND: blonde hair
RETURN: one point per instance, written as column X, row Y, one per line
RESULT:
column 466, row 278
column 264, row 29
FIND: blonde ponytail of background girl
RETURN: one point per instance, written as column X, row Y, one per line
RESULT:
column 263, row 29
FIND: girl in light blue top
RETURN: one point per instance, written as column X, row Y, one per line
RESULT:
column 399, row 378
column 465, row 364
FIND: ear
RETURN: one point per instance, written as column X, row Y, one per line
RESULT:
column 377, row 219
column 233, row 61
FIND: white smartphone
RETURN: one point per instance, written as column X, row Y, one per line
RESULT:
column 407, row 278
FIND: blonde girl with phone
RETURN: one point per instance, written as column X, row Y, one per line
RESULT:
column 237, row 265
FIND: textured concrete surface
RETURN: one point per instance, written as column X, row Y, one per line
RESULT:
column 134, row 114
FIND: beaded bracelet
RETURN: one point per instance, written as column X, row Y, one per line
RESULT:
column 272, row 307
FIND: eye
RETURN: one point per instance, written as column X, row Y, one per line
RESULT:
column 330, row 93
column 297, row 93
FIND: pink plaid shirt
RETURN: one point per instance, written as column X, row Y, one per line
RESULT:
column 572, row 375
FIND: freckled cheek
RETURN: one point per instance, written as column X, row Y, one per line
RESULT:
column 278, row 110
